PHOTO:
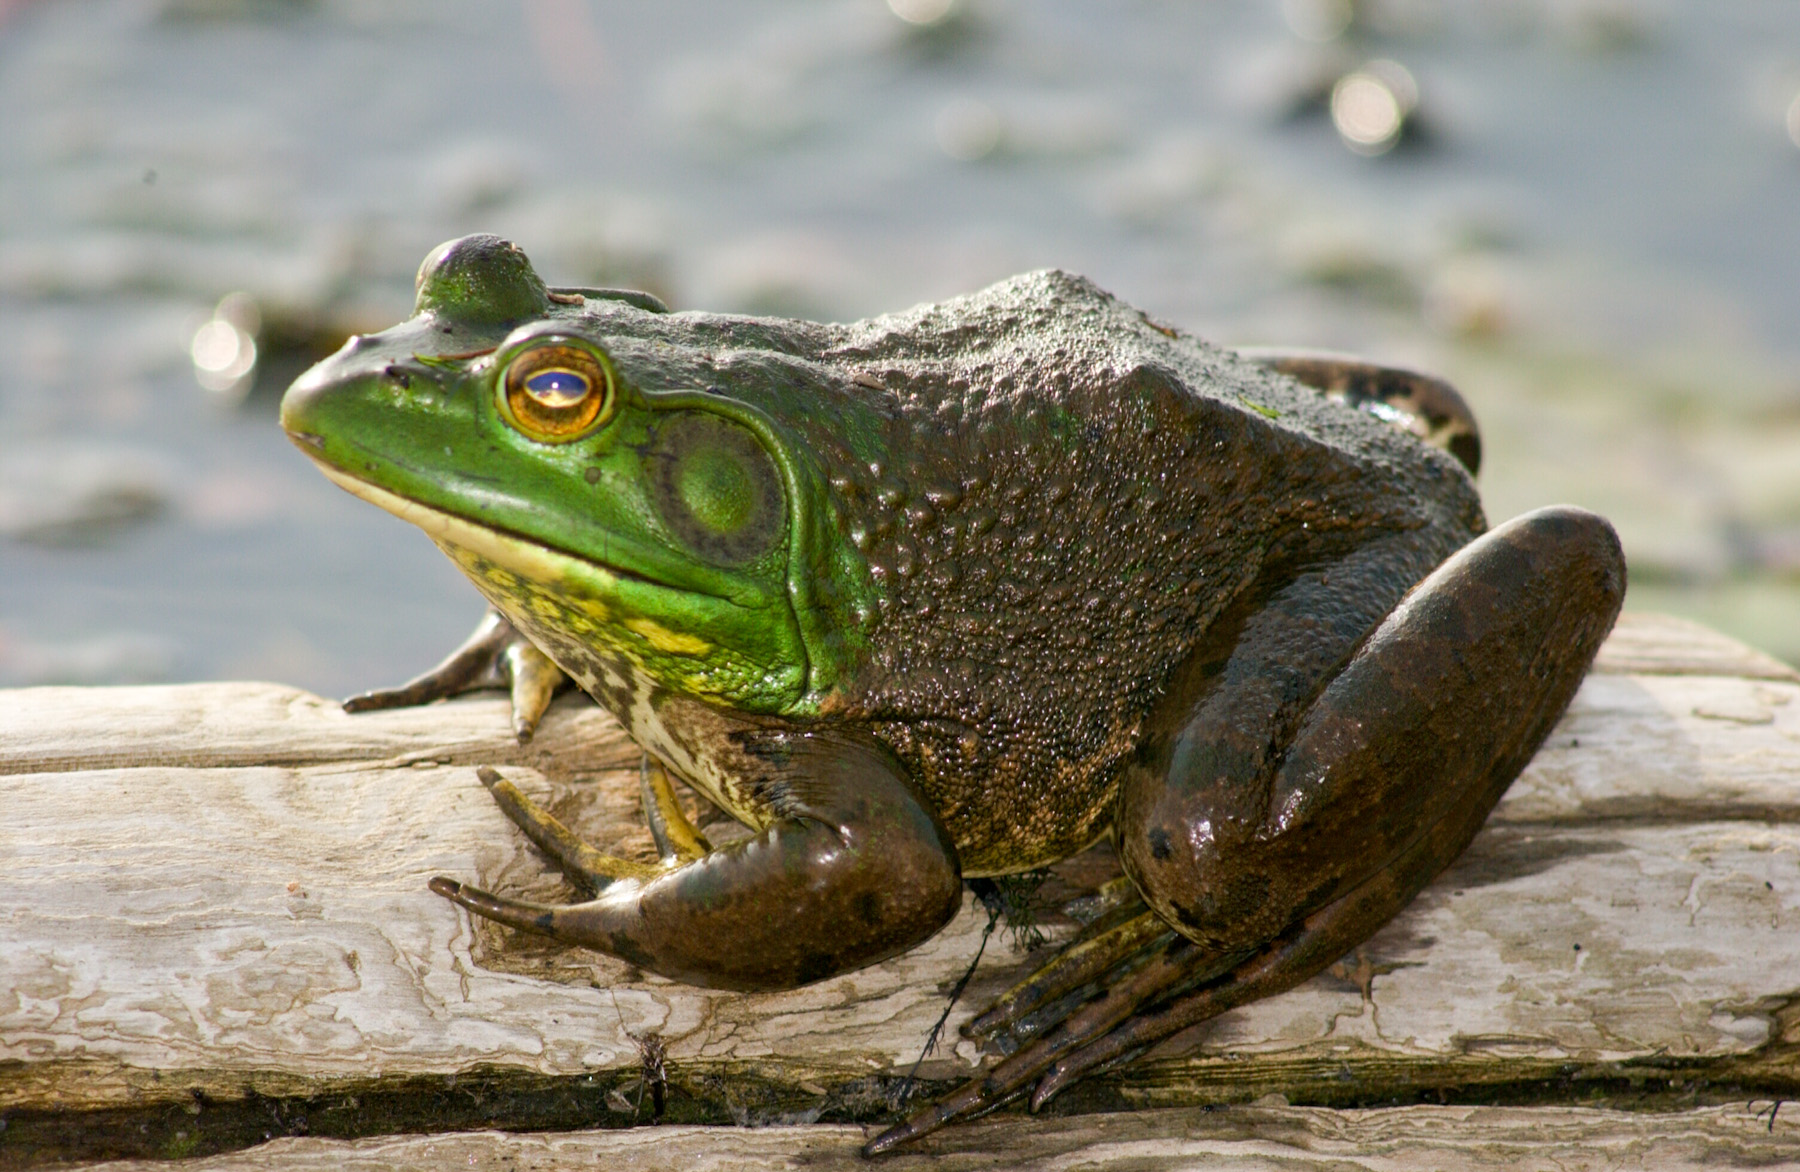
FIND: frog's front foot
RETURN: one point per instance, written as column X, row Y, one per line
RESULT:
column 853, row 869
column 495, row 656
column 1273, row 835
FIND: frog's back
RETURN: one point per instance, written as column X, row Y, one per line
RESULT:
column 1072, row 494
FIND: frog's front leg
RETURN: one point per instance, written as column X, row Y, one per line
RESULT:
column 854, row 868
column 1293, row 813
column 494, row 656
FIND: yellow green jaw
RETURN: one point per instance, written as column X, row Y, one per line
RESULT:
column 535, row 585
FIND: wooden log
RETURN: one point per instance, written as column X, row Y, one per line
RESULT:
column 1258, row 1138
column 214, row 928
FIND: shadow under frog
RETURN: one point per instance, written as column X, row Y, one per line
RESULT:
column 950, row 594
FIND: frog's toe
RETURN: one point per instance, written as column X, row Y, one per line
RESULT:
column 1070, row 978
column 584, row 866
column 475, row 664
column 1126, row 960
column 495, row 656
column 1149, row 973
column 677, row 840
column 1428, row 407
column 513, row 913
column 535, row 680
column 580, row 923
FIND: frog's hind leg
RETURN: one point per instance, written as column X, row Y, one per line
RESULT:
column 1273, row 871
column 1113, row 1028
column 1428, row 407
column 1306, row 949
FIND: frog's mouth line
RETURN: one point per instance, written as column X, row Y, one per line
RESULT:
column 522, row 555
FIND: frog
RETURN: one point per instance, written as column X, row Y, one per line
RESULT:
column 951, row 594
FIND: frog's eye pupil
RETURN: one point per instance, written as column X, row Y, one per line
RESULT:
column 557, row 388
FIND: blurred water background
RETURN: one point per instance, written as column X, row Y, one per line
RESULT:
column 1583, row 212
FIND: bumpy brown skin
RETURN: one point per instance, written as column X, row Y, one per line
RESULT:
column 1060, row 503
column 1074, row 498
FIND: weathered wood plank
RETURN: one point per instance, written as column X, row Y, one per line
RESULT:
column 228, row 725
column 1662, row 644
column 1244, row 1139
column 214, row 901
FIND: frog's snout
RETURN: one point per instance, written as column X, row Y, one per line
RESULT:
column 304, row 403
column 299, row 404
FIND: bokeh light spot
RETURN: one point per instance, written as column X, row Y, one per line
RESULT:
column 223, row 354
column 921, row 11
column 1370, row 106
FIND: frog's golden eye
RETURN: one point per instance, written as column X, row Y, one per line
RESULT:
column 557, row 392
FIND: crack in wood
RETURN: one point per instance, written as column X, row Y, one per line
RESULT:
column 199, row 1113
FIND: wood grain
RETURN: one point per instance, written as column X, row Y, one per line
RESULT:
column 214, row 926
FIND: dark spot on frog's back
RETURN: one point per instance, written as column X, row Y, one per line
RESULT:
column 868, row 908
column 1159, row 844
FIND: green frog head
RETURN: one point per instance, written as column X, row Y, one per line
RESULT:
column 586, row 466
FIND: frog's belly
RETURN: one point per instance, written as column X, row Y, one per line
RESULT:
column 691, row 739
column 1017, row 809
